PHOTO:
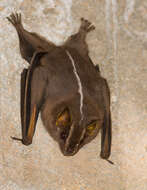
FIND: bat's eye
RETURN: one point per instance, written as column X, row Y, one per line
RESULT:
column 63, row 119
column 91, row 127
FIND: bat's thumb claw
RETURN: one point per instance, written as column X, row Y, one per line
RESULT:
column 110, row 161
column 17, row 139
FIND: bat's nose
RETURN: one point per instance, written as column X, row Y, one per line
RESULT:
column 71, row 150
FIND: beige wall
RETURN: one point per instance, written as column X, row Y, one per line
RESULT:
column 119, row 45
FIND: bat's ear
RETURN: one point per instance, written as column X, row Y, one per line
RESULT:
column 64, row 118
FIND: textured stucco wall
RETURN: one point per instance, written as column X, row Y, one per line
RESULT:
column 119, row 45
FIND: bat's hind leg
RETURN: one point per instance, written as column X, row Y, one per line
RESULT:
column 29, row 42
column 25, row 40
column 78, row 40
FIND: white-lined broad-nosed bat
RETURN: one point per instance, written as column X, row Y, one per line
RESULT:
column 63, row 84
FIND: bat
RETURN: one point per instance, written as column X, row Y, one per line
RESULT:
column 63, row 84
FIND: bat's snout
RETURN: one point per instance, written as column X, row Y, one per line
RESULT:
column 71, row 145
column 71, row 150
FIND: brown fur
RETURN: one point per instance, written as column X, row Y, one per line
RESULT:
column 49, row 85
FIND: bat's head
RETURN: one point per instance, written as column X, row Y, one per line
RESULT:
column 72, row 134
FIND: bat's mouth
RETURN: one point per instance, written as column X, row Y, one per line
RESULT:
column 70, row 145
column 71, row 150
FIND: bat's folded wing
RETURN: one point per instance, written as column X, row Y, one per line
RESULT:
column 106, row 128
column 29, row 110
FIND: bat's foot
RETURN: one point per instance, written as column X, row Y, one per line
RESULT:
column 15, row 19
column 86, row 25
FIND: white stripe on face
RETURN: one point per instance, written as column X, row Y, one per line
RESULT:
column 79, row 84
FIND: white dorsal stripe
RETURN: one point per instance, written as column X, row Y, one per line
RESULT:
column 79, row 84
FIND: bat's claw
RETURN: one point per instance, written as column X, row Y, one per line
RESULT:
column 86, row 25
column 105, row 155
column 15, row 19
column 24, row 141
column 110, row 162
column 16, row 139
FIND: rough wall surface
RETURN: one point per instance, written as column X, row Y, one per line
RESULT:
column 119, row 45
